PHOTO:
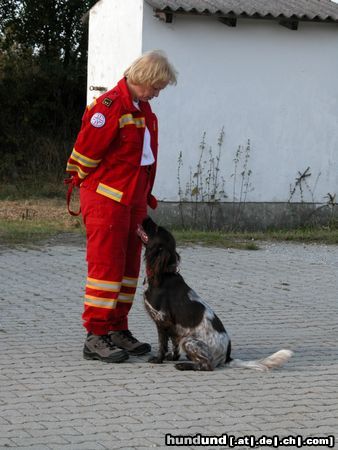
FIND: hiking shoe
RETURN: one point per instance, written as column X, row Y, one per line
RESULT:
column 101, row 348
column 125, row 340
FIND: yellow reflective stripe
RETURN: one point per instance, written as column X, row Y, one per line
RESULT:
column 98, row 305
column 74, row 168
column 129, row 282
column 125, row 298
column 140, row 122
column 89, row 107
column 84, row 160
column 110, row 192
column 103, row 285
column 103, row 299
column 128, row 119
column 99, row 302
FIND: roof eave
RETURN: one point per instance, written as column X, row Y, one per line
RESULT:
column 168, row 13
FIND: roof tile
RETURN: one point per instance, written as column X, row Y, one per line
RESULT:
column 298, row 9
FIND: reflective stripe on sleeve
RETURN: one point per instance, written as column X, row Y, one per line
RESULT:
column 84, row 160
column 93, row 103
column 75, row 168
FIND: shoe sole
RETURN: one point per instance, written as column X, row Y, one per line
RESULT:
column 139, row 351
column 117, row 359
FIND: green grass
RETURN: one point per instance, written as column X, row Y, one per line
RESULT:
column 306, row 235
column 215, row 239
column 27, row 233
column 250, row 240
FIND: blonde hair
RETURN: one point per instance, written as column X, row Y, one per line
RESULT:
column 151, row 68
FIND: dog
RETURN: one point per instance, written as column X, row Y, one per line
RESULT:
column 182, row 316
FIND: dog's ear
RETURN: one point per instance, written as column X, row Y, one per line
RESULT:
column 161, row 263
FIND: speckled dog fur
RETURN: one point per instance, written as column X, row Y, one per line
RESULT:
column 182, row 316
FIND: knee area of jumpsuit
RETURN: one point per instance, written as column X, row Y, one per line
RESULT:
column 106, row 242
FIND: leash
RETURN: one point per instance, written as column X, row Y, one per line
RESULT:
column 71, row 183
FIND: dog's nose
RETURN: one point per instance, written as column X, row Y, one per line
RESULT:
column 142, row 234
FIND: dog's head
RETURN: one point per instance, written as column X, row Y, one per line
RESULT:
column 160, row 250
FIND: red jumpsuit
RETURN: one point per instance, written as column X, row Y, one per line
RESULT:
column 114, row 193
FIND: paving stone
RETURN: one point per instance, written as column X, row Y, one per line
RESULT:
column 282, row 296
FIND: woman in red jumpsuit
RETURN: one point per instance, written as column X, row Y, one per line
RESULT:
column 114, row 163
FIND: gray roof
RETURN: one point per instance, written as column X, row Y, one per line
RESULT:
column 314, row 10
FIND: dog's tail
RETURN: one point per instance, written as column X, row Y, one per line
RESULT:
column 277, row 359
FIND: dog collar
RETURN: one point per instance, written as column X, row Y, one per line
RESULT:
column 173, row 268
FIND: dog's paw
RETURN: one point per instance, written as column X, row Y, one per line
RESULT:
column 171, row 356
column 185, row 366
column 155, row 360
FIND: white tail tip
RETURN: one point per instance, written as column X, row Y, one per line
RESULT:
column 271, row 362
column 276, row 359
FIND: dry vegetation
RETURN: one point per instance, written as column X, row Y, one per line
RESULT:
column 27, row 222
column 40, row 210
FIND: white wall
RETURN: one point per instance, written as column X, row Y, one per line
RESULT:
column 115, row 40
column 260, row 81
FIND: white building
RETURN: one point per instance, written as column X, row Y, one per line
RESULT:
column 264, row 70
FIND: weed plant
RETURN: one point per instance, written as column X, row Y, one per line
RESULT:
column 206, row 185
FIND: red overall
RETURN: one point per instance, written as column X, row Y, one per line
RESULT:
column 114, row 192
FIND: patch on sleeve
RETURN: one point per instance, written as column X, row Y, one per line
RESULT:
column 98, row 120
column 107, row 102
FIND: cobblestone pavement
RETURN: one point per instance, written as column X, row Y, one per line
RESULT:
column 282, row 296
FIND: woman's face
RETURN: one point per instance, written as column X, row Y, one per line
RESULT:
column 144, row 92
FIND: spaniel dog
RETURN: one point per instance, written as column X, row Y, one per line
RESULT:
column 182, row 316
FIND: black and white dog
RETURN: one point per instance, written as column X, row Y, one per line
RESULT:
column 182, row 316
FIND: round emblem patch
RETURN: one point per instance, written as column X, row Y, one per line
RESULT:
column 98, row 120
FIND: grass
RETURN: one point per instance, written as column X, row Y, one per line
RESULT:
column 215, row 239
column 25, row 233
column 250, row 240
column 27, row 222
column 322, row 235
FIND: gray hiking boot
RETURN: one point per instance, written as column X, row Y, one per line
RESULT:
column 101, row 348
column 125, row 340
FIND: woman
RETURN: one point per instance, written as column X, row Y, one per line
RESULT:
column 114, row 163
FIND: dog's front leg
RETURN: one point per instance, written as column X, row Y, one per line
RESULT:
column 175, row 354
column 163, row 347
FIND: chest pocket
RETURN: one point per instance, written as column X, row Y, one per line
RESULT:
column 131, row 134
